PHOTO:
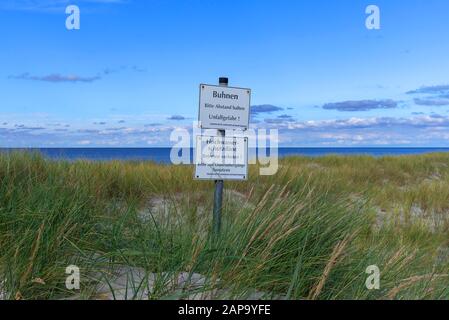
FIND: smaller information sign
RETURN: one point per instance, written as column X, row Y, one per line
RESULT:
column 221, row 158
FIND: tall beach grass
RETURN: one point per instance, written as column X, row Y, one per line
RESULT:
column 308, row 232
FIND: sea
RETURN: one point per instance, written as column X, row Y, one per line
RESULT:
column 162, row 155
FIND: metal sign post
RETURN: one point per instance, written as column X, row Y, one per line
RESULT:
column 222, row 157
column 219, row 184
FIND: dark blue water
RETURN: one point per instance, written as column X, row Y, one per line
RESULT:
column 162, row 155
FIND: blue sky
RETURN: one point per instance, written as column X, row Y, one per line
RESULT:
column 130, row 75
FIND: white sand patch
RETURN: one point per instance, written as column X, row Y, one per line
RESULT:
column 2, row 292
column 431, row 220
column 238, row 198
column 135, row 284
column 314, row 165
column 163, row 208
column 130, row 283
column 173, row 208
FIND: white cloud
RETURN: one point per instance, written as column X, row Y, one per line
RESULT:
column 423, row 130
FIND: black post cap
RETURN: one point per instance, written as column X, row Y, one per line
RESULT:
column 223, row 81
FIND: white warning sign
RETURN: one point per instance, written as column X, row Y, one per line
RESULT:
column 224, row 108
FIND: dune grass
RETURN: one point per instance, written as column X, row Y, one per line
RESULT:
column 308, row 232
